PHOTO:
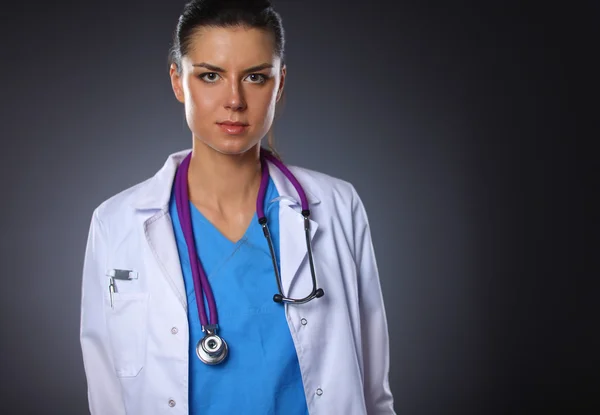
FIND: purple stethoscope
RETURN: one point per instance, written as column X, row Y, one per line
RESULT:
column 212, row 349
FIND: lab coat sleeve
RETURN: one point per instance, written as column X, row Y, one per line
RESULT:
column 374, row 331
column 103, row 387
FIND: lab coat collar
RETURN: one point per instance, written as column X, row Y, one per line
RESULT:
column 157, row 192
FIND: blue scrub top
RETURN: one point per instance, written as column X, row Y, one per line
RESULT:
column 261, row 374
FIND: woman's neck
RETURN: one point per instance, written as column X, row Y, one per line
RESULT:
column 223, row 183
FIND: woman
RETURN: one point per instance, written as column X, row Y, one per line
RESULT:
column 181, row 312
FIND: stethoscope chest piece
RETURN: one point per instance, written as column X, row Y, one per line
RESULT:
column 212, row 349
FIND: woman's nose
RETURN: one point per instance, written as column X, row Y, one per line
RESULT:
column 235, row 99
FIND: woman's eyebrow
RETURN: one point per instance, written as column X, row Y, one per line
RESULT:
column 218, row 69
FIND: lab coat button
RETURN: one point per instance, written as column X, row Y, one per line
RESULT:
column 303, row 321
column 172, row 403
column 319, row 391
column 174, row 330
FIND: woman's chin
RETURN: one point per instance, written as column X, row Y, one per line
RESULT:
column 233, row 147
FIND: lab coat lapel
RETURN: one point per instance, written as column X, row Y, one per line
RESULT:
column 161, row 239
column 158, row 228
column 292, row 238
column 293, row 249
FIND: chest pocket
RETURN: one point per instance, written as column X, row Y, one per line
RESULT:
column 127, row 323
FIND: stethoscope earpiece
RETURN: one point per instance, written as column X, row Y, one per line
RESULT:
column 278, row 298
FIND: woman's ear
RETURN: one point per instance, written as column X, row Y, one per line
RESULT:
column 176, row 83
column 281, row 82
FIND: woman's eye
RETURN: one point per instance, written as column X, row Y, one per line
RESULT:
column 257, row 78
column 212, row 77
column 209, row 77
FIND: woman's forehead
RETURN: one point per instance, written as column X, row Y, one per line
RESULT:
column 228, row 44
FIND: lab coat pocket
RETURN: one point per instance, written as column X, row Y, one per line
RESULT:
column 127, row 322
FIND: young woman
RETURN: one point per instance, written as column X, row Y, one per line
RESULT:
column 229, row 283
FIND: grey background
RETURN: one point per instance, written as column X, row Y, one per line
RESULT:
column 461, row 128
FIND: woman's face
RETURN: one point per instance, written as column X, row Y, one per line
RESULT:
column 229, row 75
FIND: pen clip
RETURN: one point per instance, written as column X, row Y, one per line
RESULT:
column 122, row 274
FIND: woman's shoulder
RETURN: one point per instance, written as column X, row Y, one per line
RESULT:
column 150, row 193
column 121, row 203
column 324, row 180
column 323, row 185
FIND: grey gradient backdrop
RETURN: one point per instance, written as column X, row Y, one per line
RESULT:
column 455, row 124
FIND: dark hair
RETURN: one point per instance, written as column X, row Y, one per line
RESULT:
column 257, row 14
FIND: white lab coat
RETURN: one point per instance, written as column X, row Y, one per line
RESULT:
column 136, row 353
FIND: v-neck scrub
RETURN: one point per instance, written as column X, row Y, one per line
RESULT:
column 261, row 374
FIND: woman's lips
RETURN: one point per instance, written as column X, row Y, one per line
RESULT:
column 233, row 129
